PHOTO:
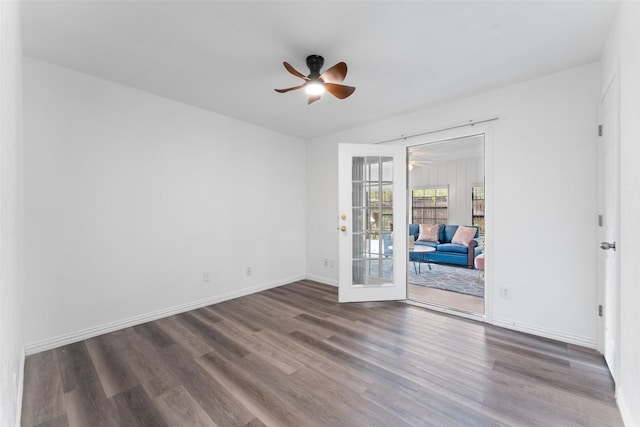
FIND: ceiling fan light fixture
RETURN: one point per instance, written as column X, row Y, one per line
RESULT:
column 316, row 83
column 314, row 87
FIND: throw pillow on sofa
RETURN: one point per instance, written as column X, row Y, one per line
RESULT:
column 463, row 235
column 429, row 233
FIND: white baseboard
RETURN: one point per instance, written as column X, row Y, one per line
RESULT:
column 547, row 333
column 324, row 280
column 20, row 390
column 630, row 418
column 84, row 334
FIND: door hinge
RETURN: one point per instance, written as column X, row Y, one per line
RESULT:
column 600, row 220
column 599, row 130
column 600, row 310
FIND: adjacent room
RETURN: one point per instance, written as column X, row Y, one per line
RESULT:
column 446, row 182
column 319, row 213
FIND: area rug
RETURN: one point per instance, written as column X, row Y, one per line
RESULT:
column 456, row 279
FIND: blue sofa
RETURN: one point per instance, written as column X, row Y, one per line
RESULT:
column 446, row 252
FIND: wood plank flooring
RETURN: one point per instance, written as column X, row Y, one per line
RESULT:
column 293, row 356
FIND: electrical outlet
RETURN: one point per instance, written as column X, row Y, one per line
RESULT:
column 248, row 271
column 206, row 276
column 505, row 293
column 326, row 262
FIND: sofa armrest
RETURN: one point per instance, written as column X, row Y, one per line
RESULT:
column 471, row 253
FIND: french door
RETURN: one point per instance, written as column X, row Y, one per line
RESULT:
column 372, row 223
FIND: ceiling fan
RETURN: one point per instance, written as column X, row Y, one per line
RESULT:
column 316, row 84
column 415, row 159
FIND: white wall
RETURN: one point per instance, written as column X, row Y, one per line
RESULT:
column 623, row 48
column 543, row 145
column 459, row 176
column 130, row 198
column 11, row 295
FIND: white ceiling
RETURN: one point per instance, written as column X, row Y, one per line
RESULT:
column 427, row 155
column 226, row 56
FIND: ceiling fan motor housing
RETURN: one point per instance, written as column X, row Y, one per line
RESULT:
column 315, row 63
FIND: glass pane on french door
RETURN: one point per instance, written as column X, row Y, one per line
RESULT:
column 372, row 219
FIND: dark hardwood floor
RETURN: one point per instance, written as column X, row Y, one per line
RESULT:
column 293, row 356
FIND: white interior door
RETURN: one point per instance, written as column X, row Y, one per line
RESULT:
column 372, row 223
column 609, row 204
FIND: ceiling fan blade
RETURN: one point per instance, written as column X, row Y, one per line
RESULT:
column 294, row 71
column 335, row 74
column 312, row 98
column 339, row 91
column 288, row 89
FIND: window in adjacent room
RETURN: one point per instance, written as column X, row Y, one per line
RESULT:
column 430, row 205
column 477, row 207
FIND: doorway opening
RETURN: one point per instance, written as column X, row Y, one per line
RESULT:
column 446, row 209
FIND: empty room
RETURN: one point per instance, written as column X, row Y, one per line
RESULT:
column 346, row 213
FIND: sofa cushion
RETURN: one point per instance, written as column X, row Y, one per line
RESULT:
column 452, row 247
column 448, row 231
column 424, row 243
column 464, row 235
column 429, row 233
column 414, row 230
